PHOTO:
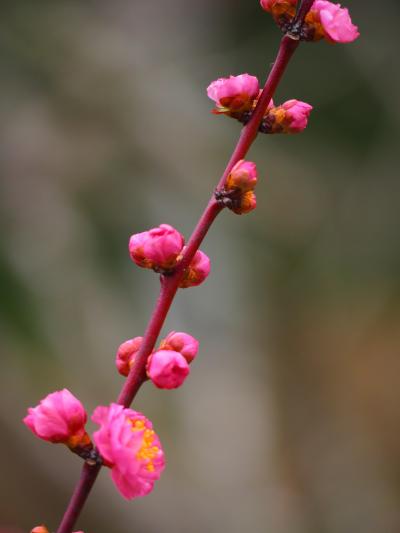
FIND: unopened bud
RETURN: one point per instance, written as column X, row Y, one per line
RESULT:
column 167, row 369
column 247, row 203
column 243, row 176
column 157, row 248
column 197, row 271
column 181, row 342
column 126, row 355
column 59, row 418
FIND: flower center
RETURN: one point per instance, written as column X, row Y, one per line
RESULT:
column 147, row 451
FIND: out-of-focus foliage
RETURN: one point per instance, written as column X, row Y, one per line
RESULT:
column 289, row 422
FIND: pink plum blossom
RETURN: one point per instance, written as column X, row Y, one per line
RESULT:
column 335, row 21
column 181, row 342
column 234, row 94
column 157, row 248
column 126, row 355
column 167, row 369
column 130, row 448
column 59, row 418
column 243, row 176
column 197, row 271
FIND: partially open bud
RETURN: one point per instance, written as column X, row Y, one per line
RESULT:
column 157, row 248
column 243, row 176
column 126, row 355
column 181, row 342
column 290, row 117
column 167, row 369
column 331, row 22
column 233, row 95
column 197, row 271
column 59, row 418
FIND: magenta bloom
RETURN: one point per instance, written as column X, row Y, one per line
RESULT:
column 234, row 94
column 181, row 342
column 130, row 447
column 157, row 248
column 197, row 271
column 60, row 417
column 335, row 21
column 243, row 176
column 126, row 355
column 167, row 369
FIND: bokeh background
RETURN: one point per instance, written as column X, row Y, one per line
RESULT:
column 290, row 420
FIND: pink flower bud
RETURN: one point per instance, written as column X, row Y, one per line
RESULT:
column 126, row 355
column 247, row 203
column 197, row 271
column 130, row 447
column 332, row 22
column 167, row 369
column 60, row 417
column 157, row 248
column 243, row 176
column 181, row 342
column 290, row 117
column 234, row 94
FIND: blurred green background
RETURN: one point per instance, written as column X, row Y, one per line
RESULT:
column 290, row 420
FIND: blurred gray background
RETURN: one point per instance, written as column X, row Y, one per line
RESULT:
column 289, row 422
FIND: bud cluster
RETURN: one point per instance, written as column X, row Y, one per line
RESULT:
column 290, row 117
column 161, row 249
column 168, row 366
column 325, row 20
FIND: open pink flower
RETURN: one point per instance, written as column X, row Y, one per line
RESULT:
column 197, row 271
column 130, row 447
column 167, row 369
column 181, row 342
column 332, row 22
column 234, row 94
column 59, row 418
column 243, row 176
column 157, row 248
column 126, row 355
